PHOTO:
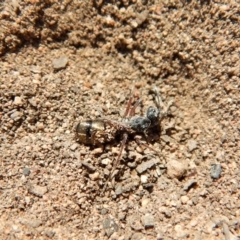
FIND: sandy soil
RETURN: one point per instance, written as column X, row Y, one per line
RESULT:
column 65, row 62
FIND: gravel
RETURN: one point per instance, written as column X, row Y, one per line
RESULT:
column 64, row 62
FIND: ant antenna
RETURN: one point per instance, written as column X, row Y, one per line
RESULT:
column 160, row 103
column 158, row 98
column 130, row 100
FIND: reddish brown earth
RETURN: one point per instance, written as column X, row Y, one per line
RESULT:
column 62, row 63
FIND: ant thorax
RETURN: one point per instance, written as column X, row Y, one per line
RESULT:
column 139, row 124
column 142, row 124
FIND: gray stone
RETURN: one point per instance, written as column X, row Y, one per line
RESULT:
column 26, row 171
column 109, row 226
column 134, row 222
column 16, row 115
column 89, row 166
column 148, row 220
column 216, row 170
column 192, row 144
column 32, row 222
column 137, row 236
column 130, row 185
column 121, row 216
column 146, row 165
column 49, row 233
column 118, row 190
column 104, row 211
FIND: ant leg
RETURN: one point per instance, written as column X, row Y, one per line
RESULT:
column 123, row 143
column 159, row 101
column 130, row 100
column 144, row 144
column 132, row 111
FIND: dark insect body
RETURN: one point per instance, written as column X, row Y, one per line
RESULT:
column 100, row 131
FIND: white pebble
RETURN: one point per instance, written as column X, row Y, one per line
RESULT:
column 184, row 199
column 144, row 178
column 94, row 176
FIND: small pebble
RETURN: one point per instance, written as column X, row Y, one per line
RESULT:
column 16, row 115
column 180, row 232
column 89, row 166
column 121, row 216
column 35, row 69
column 94, row 176
column 97, row 151
column 192, row 144
column 119, row 190
column 145, row 202
column 109, row 226
column 26, row 171
column 144, row 179
column 142, row 17
column 176, row 169
column 18, row 101
column 74, row 146
column 184, row 199
column 137, row 236
column 166, row 138
column 40, row 126
column 146, row 165
column 33, row 102
column 49, row 233
column 105, row 161
column 104, row 211
column 38, row 190
column 34, row 223
column 193, row 222
column 216, row 170
column 189, row 185
column 60, row 63
column 148, row 220
column 134, row 222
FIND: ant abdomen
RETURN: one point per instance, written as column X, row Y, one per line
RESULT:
column 86, row 131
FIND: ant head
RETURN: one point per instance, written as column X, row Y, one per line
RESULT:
column 153, row 114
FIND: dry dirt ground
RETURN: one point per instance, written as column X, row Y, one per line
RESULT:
column 65, row 62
